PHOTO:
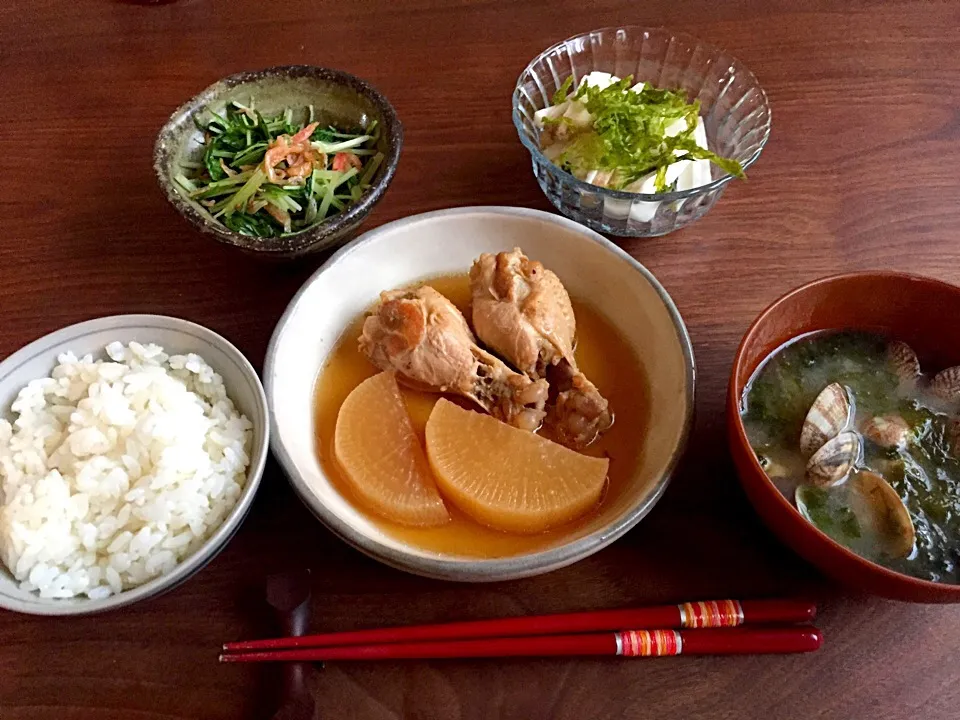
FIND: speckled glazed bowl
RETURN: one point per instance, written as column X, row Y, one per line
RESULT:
column 338, row 99
column 906, row 307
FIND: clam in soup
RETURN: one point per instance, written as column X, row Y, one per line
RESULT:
column 866, row 444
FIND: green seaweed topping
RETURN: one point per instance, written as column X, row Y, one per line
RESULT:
column 837, row 521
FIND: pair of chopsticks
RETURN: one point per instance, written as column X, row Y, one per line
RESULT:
column 698, row 628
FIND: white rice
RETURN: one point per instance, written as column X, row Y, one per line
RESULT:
column 115, row 471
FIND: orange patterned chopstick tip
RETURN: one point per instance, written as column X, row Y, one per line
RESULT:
column 709, row 614
column 649, row 643
column 630, row 643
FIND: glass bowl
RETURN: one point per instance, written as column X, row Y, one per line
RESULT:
column 734, row 107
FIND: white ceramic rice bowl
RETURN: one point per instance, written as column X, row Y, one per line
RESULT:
column 242, row 384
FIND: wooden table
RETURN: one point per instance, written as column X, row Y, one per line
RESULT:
column 861, row 172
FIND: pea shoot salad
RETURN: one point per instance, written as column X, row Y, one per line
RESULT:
column 638, row 138
column 270, row 176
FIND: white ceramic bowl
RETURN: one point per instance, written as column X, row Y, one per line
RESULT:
column 37, row 359
column 447, row 242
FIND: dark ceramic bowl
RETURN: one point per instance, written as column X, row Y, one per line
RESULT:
column 338, row 99
column 909, row 308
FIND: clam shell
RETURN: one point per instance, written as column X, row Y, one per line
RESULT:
column 904, row 360
column 893, row 518
column 888, row 431
column 833, row 462
column 946, row 384
column 827, row 417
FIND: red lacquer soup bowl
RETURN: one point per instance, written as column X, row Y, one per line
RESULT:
column 920, row 311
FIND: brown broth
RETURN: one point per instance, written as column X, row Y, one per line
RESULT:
column 601, row 353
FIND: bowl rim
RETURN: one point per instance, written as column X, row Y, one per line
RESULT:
column 484, row 569
column 926, row 588
column 584, row 186
column 217, row 541
column 302, row 239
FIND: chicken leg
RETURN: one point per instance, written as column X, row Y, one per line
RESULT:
column 424, row 338
column 522, row 312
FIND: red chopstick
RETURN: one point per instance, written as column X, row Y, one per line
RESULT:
column 631, row 643
column 710, row 614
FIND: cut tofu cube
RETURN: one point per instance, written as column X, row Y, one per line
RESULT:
column 577, row 115
column 550, row 113
column 598, row 79
column 599, row 177
column 700, row 134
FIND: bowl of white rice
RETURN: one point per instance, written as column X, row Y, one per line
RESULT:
column 131, row 448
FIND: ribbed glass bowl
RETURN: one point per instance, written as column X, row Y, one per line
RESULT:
column 734, row 107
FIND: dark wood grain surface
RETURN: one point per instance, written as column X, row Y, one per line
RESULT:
column 861, row 172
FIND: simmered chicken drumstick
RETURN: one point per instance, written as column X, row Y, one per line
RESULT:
column 425, row 339
column 522, row 311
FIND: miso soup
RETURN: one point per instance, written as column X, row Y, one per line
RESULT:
column 866, row 446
